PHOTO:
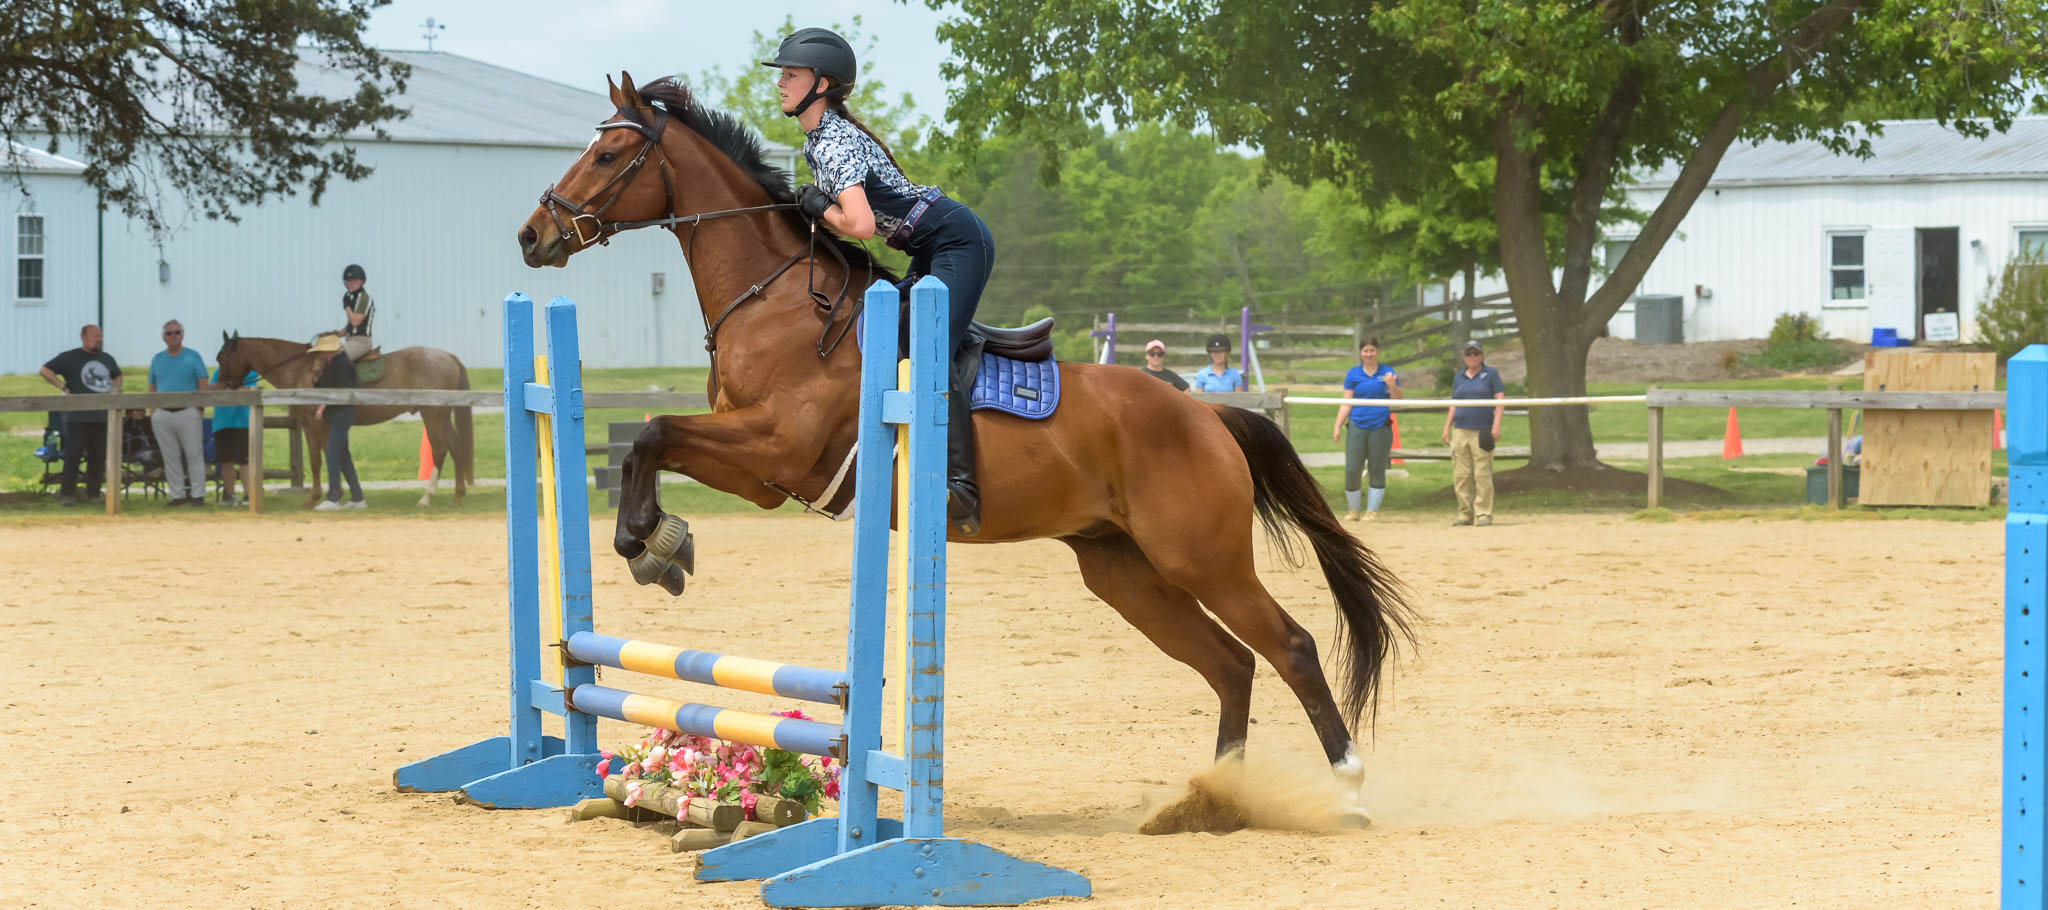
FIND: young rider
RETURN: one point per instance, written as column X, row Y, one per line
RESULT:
column 861, row 193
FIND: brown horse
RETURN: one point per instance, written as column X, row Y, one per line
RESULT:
column 1154, row 491
column 295, row 365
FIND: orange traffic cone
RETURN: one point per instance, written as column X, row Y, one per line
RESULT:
column 426, row 456
column 646, row 417
column 1396, row 423
column 1731, row 443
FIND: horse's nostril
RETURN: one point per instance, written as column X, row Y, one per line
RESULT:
column 528, row 237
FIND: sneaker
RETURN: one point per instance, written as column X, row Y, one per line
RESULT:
column 1485, row 520
column 67, row 501
column 356, row 504
column 1351, row 515
column 1462, row 523
column 1372, row 516
column 174, row 502
column 327, row 505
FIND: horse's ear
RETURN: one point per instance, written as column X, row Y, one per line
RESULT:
column 628, row 95
column 224, row 339
column 613, row 87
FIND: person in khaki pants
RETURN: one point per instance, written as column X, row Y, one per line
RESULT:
column 1471, row 433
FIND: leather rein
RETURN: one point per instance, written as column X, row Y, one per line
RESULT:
column 601, row 232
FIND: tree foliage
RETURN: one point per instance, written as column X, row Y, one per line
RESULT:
column 197, row 101
column 1439, row 116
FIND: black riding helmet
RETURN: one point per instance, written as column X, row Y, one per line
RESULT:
column 823, row 52
column 353, row 271
column 1219, row 343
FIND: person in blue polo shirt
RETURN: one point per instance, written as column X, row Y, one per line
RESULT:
column 1371, row 436
column 1219, row 375
column 1471, row 433
column 178, row 368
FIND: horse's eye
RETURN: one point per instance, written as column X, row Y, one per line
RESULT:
column 606, row 158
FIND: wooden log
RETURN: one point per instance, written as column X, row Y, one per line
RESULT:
column 600, row 807
column 778, row 811
column 690, row 840
column 744, row 830
column 668, row 801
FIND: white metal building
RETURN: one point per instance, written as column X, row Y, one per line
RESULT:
column 434, row 226
column 1921, row 227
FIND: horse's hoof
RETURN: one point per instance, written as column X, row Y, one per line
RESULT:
column 672, row 580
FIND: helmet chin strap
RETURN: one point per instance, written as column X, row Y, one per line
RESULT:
column 817, row 92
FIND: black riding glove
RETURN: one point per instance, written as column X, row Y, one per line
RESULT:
column 813, row 201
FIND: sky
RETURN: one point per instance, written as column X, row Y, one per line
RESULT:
column 582, row 41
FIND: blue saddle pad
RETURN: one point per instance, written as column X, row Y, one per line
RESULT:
column 1028, row 390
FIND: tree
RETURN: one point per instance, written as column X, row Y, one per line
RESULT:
column 196, row 99
column 1551, row 105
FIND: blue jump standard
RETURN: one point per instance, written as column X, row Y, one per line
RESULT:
column 2024, row 860
column 857, row 858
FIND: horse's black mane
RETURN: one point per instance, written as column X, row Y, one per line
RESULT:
column 741, row 144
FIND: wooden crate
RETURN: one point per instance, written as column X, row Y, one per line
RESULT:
column 1927, row 458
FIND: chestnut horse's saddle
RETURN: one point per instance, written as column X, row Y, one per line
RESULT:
column 1009, row 370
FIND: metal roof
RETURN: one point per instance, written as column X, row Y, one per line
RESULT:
column 1908, row 150
column 459, row 100
column 23, row 158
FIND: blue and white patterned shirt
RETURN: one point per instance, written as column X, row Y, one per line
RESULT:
column 841, row 155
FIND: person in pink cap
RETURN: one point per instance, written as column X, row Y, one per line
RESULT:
column 1155, row 365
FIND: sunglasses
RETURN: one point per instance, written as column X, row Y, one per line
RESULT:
column 1155, row 353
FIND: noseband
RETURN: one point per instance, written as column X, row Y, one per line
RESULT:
column 601, row 232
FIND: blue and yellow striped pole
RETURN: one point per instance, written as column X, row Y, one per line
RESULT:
column 767, row 731
column 723, row 670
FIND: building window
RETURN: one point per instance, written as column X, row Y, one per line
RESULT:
column 2033, row 244
column 28, row 258
column 1845, row 267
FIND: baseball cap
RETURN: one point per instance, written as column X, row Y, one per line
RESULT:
column 1471, row 346
column 1155, row 343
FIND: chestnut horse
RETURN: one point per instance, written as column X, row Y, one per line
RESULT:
column 1154, row 491
column 295, row 365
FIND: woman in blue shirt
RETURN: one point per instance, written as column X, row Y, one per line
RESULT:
column 1372, row 429
column 1219, row 375
column 861, row 193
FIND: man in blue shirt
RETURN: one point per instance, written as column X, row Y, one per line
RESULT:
column 1471, row 432
column 178, row 368
column 1218, row 376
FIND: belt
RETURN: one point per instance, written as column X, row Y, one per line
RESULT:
column 900, row 237
column 172, row 410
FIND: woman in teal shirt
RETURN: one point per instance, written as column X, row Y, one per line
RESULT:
column 1372, row 429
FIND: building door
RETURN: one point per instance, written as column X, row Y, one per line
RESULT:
column 1937, row 290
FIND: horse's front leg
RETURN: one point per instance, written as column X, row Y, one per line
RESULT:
column 736, row 452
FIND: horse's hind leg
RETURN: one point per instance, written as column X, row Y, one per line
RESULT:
column 1118, row 572
column 1230, row 588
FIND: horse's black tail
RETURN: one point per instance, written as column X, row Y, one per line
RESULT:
column 465, row 436
column 1371, row 611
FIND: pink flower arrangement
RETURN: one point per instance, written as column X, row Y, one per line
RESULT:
column 723, row 771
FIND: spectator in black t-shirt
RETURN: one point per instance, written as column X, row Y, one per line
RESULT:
column 1155, row 365
column 339, row 374
column 84, row 370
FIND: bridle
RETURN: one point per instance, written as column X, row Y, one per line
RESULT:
column 601, row 232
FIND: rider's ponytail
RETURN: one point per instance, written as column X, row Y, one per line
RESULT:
column 837, row 103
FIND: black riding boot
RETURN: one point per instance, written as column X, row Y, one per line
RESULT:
column 963, row 495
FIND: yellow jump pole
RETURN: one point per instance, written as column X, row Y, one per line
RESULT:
column 899, row 589
column 550, row 551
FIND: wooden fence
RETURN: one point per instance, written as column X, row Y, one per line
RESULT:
column 117, row 406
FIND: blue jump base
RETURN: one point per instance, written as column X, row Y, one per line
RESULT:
column 856, row 859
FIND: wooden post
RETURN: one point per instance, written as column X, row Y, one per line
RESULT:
column 252, row 475
column 298, row 455
column 1656, row 457
column 1835, row 458
column 112, row 478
